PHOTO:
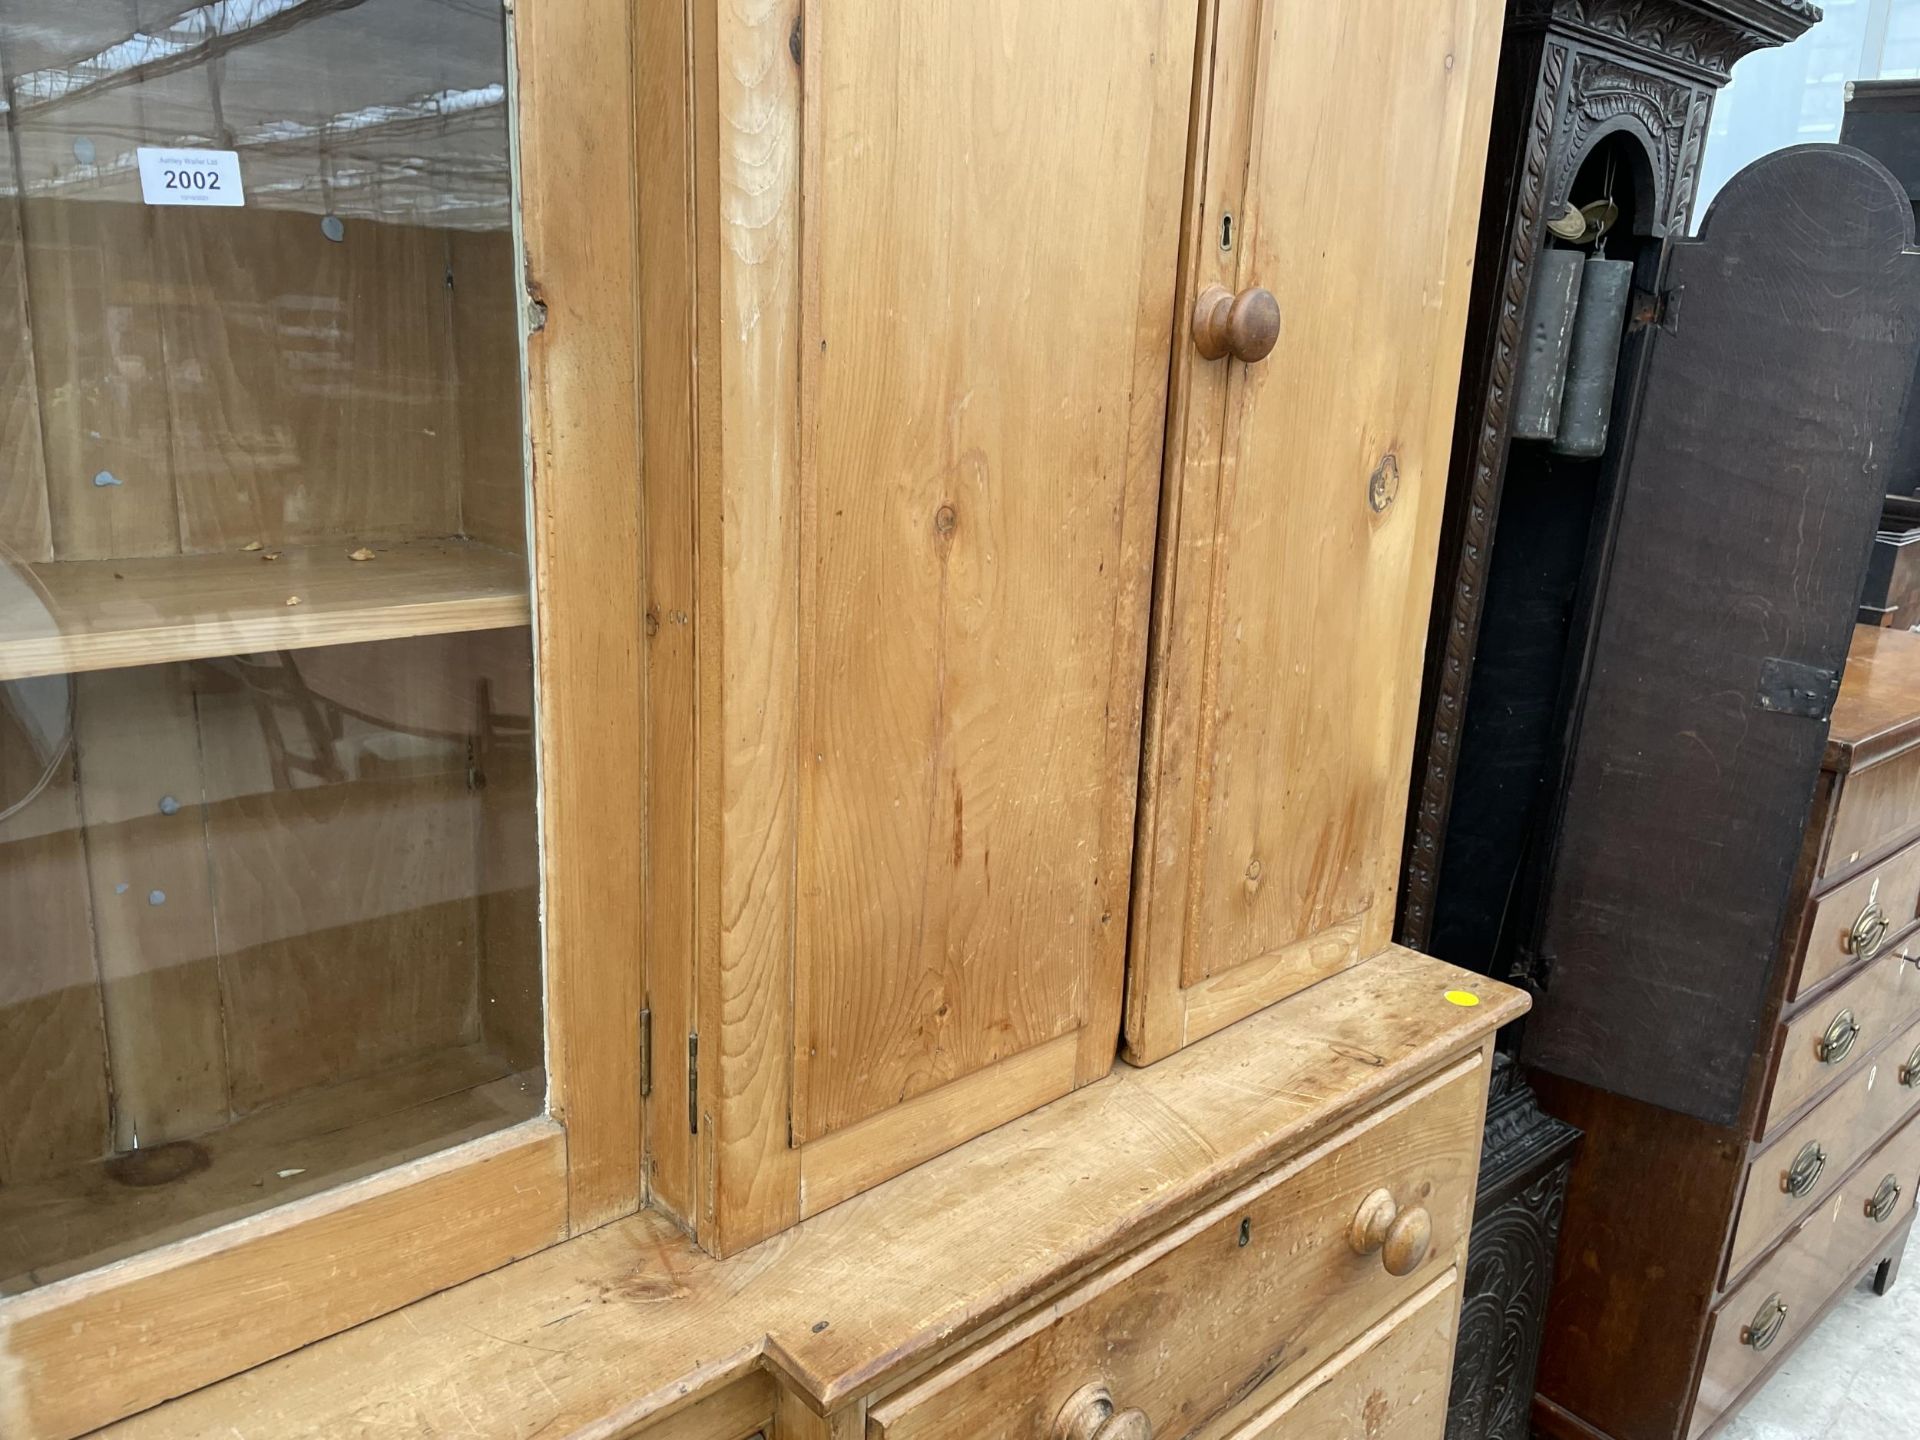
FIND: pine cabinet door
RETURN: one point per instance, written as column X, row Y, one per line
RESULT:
column 1339, row 170
column 938, row 248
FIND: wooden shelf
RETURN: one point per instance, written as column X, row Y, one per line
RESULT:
column 91, row 1215
column 111, row 614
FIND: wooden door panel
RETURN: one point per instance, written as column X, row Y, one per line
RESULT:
column 976, row 509
column 947, row 262
column 1303, row 499
column 1700, row 743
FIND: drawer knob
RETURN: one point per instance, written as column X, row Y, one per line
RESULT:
column 1403, row 1237
column 1090, row 1415
column 1880, row 1204
column 1910, row 1072
column 1245, row 326
column 1767, row 1322
column 1804, row 1173
column 1836, row 1043
column 1870, row 927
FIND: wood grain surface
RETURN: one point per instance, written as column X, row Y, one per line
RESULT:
column 191, row 1313
column 1822, row 1255
column 974, row 527
column 116, row 613
column 84, row 1217
column 54, row 1103
column 1687, row 795
column 577, row 137
column 310, row 393
column 1881, row 996
column 97, row 345
column 491, row 480
column 348, row 921
column 674, row 291
column 1390, row 1384
column 1879, row 810
column 1822, row 938
column 748, row 154
column 1283, row 719
column 925, row 514
column 1874, row 717
column 632, row 1321
column 1254, row 1294
column 1847, row 1125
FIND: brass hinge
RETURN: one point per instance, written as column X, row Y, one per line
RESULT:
column 646, row 1051
column 693, row 1083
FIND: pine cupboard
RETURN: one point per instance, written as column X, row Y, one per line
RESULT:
column 948, row 309
column 982, row 464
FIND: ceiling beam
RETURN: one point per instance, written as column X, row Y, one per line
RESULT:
column 196, row 37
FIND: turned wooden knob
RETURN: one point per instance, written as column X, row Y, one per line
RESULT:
column 1090, row 1415
column 1245, row 326
column 1402, row 1237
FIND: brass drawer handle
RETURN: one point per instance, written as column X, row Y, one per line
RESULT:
column 1090, row 1414
column 1880, row 1204
column 1403, row 1237
column 1767, row 1322
column 1837, row 1043
column 1804, row 1173
column 1870, row 927
column 1910, row 1072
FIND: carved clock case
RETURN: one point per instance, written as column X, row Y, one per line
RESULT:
column 1599, row 103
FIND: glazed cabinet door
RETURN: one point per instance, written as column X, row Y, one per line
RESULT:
column 938, row 251
column 300, row 1015
column 1336, row 184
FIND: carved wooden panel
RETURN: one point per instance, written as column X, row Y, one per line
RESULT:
column 1510, row 1262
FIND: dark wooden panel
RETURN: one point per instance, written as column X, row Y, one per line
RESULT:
column 1751, row 496
column 1633, row 1281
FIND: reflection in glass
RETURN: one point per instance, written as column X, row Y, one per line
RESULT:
column 267, row 837
column 1796, row 94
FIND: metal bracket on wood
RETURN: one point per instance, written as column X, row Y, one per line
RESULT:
column 1787, row 687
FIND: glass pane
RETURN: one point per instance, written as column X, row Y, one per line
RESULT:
column 1797, row 94
column 268, row 866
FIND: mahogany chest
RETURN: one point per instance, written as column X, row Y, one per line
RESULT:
column 1667, row 1316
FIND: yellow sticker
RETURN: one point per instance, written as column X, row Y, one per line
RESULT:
column 1462, row 997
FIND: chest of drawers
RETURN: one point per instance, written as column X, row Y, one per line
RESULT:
column 1760, row 1225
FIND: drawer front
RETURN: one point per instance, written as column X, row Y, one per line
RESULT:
column 1762, row 1319
column 1391, row 1384
column 1834, row 1035
column 748, row 1409
column 1877, row 806
column 1794, row 1173
column 1859, row 919
column 1880, row 1195
column 1239, row 1304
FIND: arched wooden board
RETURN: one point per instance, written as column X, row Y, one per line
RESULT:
column 1745, row 513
